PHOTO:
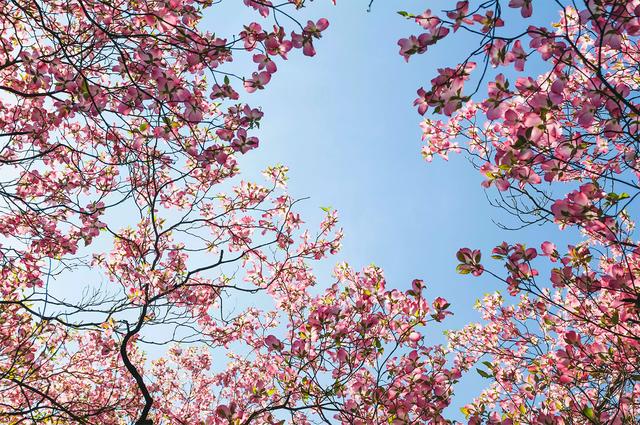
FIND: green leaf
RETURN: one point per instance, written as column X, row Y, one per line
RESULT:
column 85, row 88
column 616, row 197
column 226, row 80
column 615, row 318
column 483, row 373
column 589, row 413
column 521, row 143
column 461, row 270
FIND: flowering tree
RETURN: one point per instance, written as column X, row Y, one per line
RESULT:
column 121, row 126
column 125, row 226
column 557, row 136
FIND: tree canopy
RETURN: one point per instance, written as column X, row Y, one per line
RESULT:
column 122, row 128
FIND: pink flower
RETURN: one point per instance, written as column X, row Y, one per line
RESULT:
column 257, row 82
column 243, row 143
column 517, row 55
column 273, row 343
column 526, row 7
column 265, row 62
column 417, row 285
column 428, row 21
column 421, row 101
column 549, row 249
column 469, row 262
column 572, row 338
column 459, row 14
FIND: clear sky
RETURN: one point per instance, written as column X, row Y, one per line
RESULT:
column 344, row 123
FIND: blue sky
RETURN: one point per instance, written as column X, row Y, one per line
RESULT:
column 343, row 122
